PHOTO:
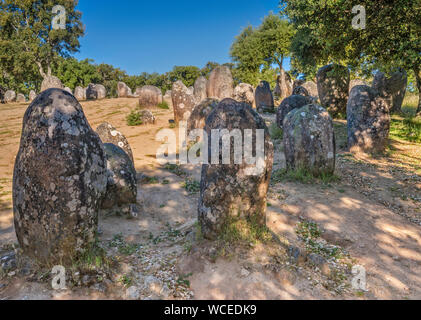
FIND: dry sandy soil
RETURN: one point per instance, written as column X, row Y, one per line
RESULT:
column 372, row 214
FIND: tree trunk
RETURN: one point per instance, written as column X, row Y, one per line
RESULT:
column 417, row 71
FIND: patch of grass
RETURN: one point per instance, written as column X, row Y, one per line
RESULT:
column 126, row 281
column 175, row 169
column 192, row 186
column 164, row 106
column 250, row 230
column 302, row 176
column 183, row 280
column 408, row 129
column 310, row 233
column 124, row 248
column 134, row 119
column 150, row 180
column 276, row 133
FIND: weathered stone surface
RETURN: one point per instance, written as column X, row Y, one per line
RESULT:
column 264, row 98
column 191, row 90
column 220, row 84
column 289, row 104
column 95, row 92
column 297, row 83
column 168, row 99
column 80, row 93
column 200, row 86
column 300, row 91
column 368, row 120
column 234, row 190
column 68, row 90
column 309, row 140
column 20, row 98
column 200, row 113
column 311, row 88
column 2, row 92
column 356, row 82
column 244, row 92
column 109, row 134
column 121, row 181
column 149, row 96
column 32, row 95
column 183, row 101
column 9, row 96
column 59, row 179
column 146, row 116
column 284, row 86
column 333, row 87
column 50, row 83
column 123, row 91
column 392, row 87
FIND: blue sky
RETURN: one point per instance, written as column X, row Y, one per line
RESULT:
column 153, row 36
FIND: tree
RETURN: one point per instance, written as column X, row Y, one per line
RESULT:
column 390, row 40
column 28, row 40
column 187, row 74
column 77, row 73
column 257, row 49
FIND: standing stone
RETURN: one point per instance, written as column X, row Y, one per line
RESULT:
column 200, row 112
column 191, row 90
column 311, row 88
column 32, row 95
column 68, row 90
column 59, row 180
column 297, row 83
column 50, row 83
column 392, row 88
column 146, row 116
column 234, row 190
column 149, row 96
column 2, row 92
column 121, row 178
column 300, row 91
column 200, row 89
column 309, row 140
column 95, row 92
column 264, row 98
column 20, row 98
column 220, row 84
column 244, row 92
column 9, row 96
column 368, row 120
column 356, row 82
column 80, row 93
column 109, row 134
column 168, row 98
column 284, row 86
column 289, row 104
column 123, row 91
column 183, row 101
column 333, row 87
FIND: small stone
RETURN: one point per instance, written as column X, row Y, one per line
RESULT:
column 244, row 273
column 133, row 293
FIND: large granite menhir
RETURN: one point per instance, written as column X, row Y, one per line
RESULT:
column 264, row 98
column 368, row 120
column 333, row 87
column 59, row 180
column 220, row 84
column 238, row 189
column 309, row 140
column 183, row 101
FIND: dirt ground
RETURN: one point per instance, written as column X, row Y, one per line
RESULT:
column 372, row 213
